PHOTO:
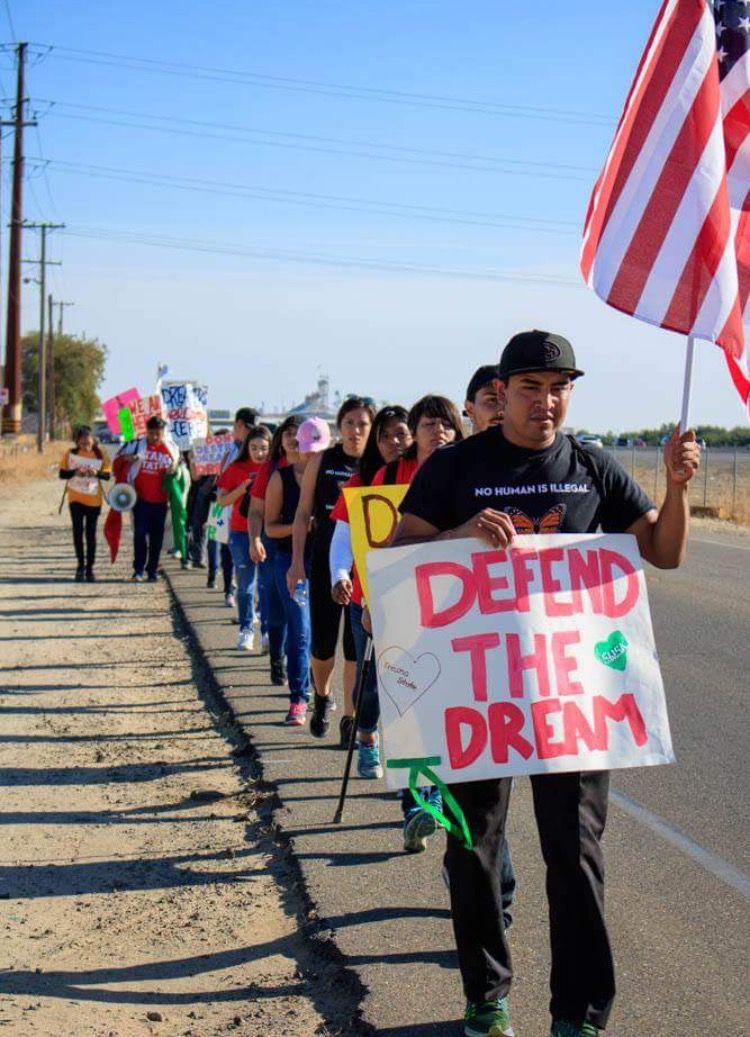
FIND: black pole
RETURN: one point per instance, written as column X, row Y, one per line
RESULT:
column 363, row 675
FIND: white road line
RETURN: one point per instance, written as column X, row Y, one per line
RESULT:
column 719, row 543
column 716, row 865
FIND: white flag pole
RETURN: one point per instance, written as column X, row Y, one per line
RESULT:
column 687, row 384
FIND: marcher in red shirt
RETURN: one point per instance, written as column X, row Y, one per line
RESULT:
column 233, row 486
column 150, row 462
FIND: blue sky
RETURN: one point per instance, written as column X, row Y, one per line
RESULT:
column 336, row 223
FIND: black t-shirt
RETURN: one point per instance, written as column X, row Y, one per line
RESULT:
column 336, row 469
column 543, row 491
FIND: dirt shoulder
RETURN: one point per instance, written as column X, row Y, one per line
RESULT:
column 141, row 889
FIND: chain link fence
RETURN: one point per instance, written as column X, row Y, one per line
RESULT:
column 720, row 489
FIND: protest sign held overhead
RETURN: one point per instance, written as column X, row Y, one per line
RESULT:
column 135, row 414
column 209, row 453
column 539, row 658
column 373, row 517
column 111, row 408
column 185, row 409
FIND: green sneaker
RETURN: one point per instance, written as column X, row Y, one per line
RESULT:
column 562, row 1028
column 488, row 1019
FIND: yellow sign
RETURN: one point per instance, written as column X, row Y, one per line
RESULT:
column 373, row 517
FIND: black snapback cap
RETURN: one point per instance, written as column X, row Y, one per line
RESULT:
column 484, row 375
column 537, row 351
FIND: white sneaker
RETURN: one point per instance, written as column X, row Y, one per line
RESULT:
column 265, row 645
column 245, row 641
column 229, row 600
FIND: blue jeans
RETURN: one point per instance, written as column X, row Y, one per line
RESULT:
column 276, row 612
column 217, row 552
column 370, row 714
column 148, row 536
column 297, row 631
column 244, row 568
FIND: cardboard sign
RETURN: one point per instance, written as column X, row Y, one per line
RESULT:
column 111, row 408
column 134, row 416
column 373, row 517
column 535, row 659
column 185, row 406
column 209, row 453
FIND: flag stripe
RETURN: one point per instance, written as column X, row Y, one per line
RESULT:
column 676, row 175
column 698, row 285
column 664, row 44
column 625, row 215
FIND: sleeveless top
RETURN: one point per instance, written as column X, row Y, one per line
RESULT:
column 289, row 502
column 336, row 468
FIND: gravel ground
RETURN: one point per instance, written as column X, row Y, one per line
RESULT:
column 141, row 888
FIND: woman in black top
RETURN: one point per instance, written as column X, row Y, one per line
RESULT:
column 323, row 480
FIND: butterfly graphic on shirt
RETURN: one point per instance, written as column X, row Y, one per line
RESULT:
column 550, row 521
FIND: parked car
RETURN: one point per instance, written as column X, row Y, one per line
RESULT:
column 588, row 439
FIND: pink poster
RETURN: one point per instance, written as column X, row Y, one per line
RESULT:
column 111, row 407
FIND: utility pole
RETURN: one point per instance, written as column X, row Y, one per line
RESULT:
column 42, row 281
column 12, row 412
column 51, row 358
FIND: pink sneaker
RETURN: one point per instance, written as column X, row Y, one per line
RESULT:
column 297, row 714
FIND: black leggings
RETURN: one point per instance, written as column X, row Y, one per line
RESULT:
column 83, row 515
column 325, row 614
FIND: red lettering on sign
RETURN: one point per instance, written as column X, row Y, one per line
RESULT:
column 549, row 556
column 611, row 560
column 486, row 584
column 585, row 574
column 429, row 617
column 522, row 575
column 506, row 724
column 517, row 663
column 577, row 726
column 456, row 718
column 546, row 748
column 626, row 708
column 563, row 664
column 477, row 645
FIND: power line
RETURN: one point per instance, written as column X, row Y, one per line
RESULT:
column 375, row 94
column 318, row 201
column 9, row 16
column 286, row 256
column 295, row 142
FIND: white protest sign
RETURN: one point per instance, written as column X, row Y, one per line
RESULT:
column 185, row 405
column 88, row 485
column 209, row 453
column 536, row 659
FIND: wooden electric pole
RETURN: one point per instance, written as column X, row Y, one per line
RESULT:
column 51, row 337
column 12, row 412
column 43, row 263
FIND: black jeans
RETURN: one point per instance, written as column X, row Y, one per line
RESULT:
column 148, row 536
column 571, row 812
column 84, row 517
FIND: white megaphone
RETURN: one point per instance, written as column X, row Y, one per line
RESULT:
column 122, row 497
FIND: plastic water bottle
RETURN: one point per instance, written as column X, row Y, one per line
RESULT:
column 300, row 593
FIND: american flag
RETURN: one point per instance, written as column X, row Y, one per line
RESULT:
column 667, row 233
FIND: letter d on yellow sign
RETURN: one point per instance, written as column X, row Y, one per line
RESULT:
column 373, row 517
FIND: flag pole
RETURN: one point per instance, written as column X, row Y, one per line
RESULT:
column 687, row 384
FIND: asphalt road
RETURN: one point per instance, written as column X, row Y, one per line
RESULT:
column 676, row 846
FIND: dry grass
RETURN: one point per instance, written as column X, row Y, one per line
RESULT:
column 722, row 484
column 21, row 462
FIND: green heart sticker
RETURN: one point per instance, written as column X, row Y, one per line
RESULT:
column 613, row 652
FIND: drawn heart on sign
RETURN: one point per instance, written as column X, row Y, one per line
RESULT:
column 406, row 678
column 613, row 652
